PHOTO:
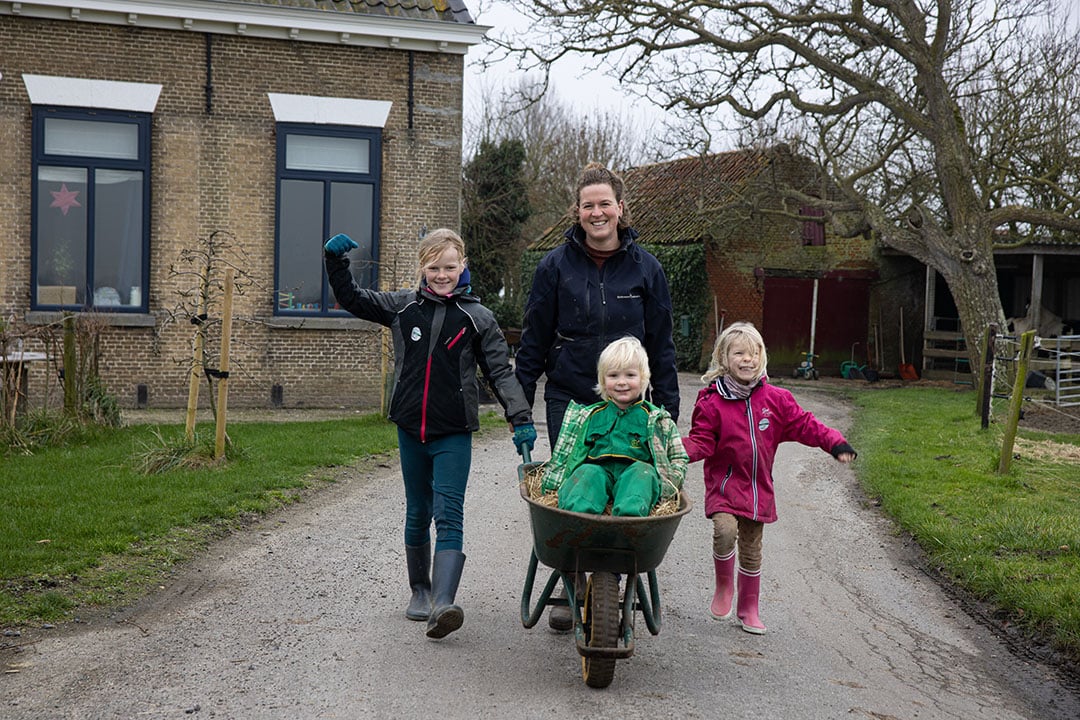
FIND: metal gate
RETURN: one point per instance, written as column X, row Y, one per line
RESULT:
column 1065, row 352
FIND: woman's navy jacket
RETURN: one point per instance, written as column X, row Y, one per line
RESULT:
column 575, row 309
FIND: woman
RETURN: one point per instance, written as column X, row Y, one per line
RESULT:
column 597, row 287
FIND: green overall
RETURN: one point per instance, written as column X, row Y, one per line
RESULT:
column 618, row 466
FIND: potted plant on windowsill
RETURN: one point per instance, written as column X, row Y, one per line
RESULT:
column 62, row 291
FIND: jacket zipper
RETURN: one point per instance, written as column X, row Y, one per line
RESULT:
column 603, row 307
column 456, row 338
column 753, row 450
column 424, row 404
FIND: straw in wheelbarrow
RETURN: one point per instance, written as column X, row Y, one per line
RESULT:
column 534, row 480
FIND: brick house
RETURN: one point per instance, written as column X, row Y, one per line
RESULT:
column 132, row 131
column 764, row 256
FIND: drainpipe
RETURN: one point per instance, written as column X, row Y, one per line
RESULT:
column 209, row 88
column 412, row 83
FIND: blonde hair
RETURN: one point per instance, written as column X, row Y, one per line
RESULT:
column 434, row 244
column 743, row 332
column 596, row 174
column 627, row 352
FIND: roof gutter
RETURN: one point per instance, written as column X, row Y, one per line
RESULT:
column 262, row 21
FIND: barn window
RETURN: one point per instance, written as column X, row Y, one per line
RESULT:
column 813, row 230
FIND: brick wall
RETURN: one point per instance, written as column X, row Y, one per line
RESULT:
column 215, row 172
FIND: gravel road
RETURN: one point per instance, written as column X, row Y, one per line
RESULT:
column 302, row 617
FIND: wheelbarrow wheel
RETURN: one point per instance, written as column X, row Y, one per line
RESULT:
column 600, row 615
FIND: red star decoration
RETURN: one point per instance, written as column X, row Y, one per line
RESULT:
column 64, row 198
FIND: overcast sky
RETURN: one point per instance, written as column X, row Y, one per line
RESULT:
column 584, row 91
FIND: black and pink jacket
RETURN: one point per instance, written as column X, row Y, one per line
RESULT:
column 439, row 342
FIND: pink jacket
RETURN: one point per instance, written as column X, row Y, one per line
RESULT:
column 738, row 441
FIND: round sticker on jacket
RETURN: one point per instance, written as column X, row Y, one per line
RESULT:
column 763, row 424
column 415, row 334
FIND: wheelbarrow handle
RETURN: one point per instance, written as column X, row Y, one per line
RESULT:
column 526, row 454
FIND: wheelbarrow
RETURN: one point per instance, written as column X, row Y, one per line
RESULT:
column 608, row 548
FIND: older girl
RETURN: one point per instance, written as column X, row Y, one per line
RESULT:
column 441, row 335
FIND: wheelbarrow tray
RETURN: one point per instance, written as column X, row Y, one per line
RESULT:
column 577, row 542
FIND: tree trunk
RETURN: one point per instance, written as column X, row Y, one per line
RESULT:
column 972, row 281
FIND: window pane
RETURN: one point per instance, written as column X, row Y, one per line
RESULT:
column 813, row 233
column 351, row 212
column 332, row 154
column 90, row 138
column 300, row 255
column 118, row 224
column 61, row 235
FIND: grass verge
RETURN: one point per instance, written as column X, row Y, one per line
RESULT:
column 1011, row 540
column 85, row 527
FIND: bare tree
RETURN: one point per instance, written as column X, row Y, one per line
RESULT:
column 947, row 124
column 559, row 140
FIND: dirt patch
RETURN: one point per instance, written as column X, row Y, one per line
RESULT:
column 1049, row 418
column 1049, row 451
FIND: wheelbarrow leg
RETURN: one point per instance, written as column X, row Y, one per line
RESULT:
column 531, row 615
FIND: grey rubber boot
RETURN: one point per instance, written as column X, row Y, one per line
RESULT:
column 446, row 617
column 418, row 559
column 560, row 617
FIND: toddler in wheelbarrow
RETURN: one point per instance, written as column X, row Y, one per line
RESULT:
column 623, row 450
column 620, row 459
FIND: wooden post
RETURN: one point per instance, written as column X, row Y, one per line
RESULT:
column 197, row 355
column 223, row 380
column 1027, row 340
column 71, row 396
column 986, row 387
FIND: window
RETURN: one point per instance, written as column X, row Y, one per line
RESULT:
column 90, row 200
column 813, row 231
column 328, row 183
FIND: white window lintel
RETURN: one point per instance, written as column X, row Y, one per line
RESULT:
column 329, row 110
column 81, row 92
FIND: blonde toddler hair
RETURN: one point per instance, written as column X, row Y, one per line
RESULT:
column 736, row 332
column 435, row 244
column 627, row 352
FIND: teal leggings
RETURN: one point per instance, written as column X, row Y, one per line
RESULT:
column 633, row 488
column 436, row 474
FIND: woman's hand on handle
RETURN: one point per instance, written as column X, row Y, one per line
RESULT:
column 524, row 440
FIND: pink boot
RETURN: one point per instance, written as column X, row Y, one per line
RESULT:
column 720, row 608
column 749, row 587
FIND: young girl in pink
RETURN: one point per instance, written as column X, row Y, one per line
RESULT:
column 739, row 421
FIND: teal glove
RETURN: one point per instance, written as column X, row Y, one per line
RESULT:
column 339, row 245
column 524, row 437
